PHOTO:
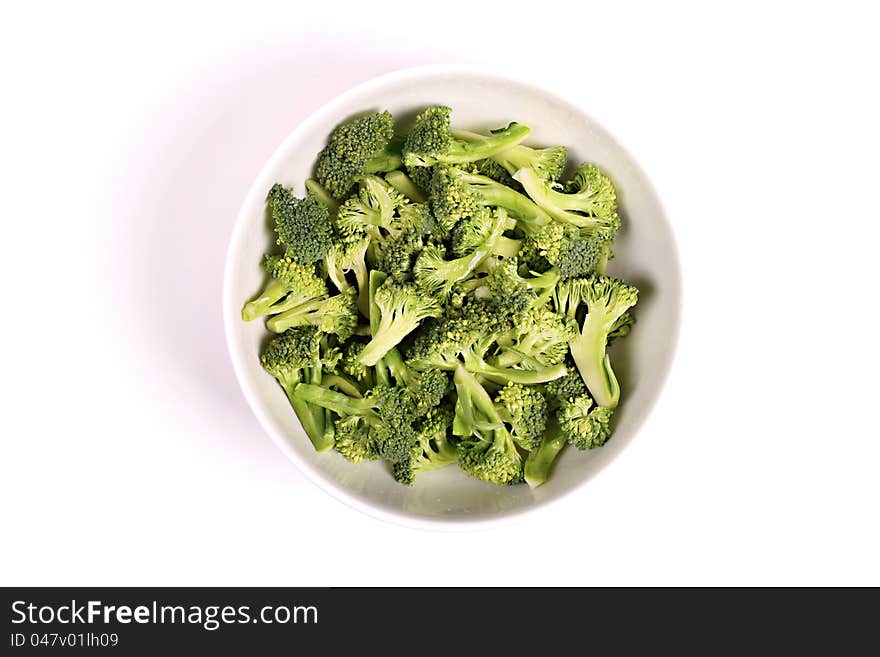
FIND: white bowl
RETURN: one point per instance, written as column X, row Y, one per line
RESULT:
column 645, row 255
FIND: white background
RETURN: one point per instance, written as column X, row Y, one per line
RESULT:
column 129, row 139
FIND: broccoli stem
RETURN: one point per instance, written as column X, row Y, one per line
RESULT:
column 335, row 401
column 388, row 335
column 588, row 352
column 344, row 384
column 502, row 375
column 397, row 367
column 311, row 419
column 314, row 188
column 401, row 182
column 541, row 459
column 262, row 305
column 296, row 316
column 472, row 396
column 387, row 160
column 531, row 217
column 479, row 149
column 506, row 247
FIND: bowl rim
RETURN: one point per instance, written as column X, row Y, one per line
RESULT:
column 231, row 314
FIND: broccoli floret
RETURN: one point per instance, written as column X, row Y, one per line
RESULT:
column 524, row 408
column 430, row 141
column 362, row 145
column 456, row 194
column 401, row 308
column 565, row 388
column 303, row 225
column 491, row 169
column 605, row 300
column 572, row 252
column 337, row 315
column 539, row 338
column 350, row 365
column 548, row 162
column 590, row 201
column 348, row 253
column 371, row 208
column 354, row 439
column 465, row 339
column 621, row 327
column 509, row 292
column 290, row 284
column 437, row 276
column 432, row 449
column 487, row 450
column 585, row 426
column 292, row 358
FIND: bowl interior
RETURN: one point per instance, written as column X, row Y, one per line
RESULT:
column 645, row 255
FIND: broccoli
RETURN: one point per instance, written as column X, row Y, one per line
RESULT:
column 291, row 284
column 354, row 439
column 482, row 233
column 303, row 225
column 373, row 206
column 399, row 181
column 540, row 460
column 455, row 194
column 539, row 338
column 589, row 202
column 292, row 358
column 547, row 162
column 432, row 449
column 524, row 408
column 487, row 450
column 465, row 340
column 401, row 307
column 348, row 253
column 430, row 141
column 337, row 315
column 360, row 146
column 440, row 296
column 571, row 252
column 583, row 426
column 605, row 300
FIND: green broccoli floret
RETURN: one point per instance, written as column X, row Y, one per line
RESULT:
column 621, row 327
column 432, row 449
column 605, row 300
column 292, row 358
column 371, row 208
column 357, row 147
column 487, row 450
column 572, row 252
column 425, row 388
column 437, row 276
column 290, row 284
column 395, row 255
column 348, row 253
column 354, row 439
column 303, row 225
column 565, row 388
column 539, row 338
column 509, row 292
column 584, row 426
column 524, row 408
column 455, row 194
column 337, row 315
column 465, row 340
column 590, row 201
column 548, row 162
column 401, row 307
column 430, row 141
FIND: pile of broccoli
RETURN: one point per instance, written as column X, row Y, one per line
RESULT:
column 440, row 297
